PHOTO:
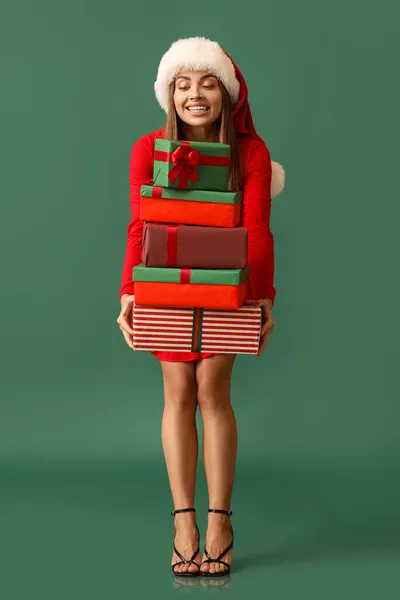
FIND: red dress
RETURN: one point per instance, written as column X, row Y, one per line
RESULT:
column 256, row 207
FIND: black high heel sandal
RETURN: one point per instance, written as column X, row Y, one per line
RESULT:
column 183, row 560
column 209, row 559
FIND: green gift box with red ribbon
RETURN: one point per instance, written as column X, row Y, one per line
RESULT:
column 191, row 165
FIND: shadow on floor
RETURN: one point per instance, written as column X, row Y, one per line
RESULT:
column 345, row 551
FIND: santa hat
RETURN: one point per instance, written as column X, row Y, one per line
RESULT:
column 201, row 54
column 195, row 54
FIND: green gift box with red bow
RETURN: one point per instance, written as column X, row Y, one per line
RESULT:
column 191, row 165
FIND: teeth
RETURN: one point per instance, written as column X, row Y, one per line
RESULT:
column 198, row 108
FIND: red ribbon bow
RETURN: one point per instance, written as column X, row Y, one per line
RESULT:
column 185, row 162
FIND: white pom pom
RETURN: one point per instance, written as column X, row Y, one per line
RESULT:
column 278, row 179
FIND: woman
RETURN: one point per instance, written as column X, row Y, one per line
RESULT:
column 205, row 98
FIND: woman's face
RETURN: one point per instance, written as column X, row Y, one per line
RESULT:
column 197, row 98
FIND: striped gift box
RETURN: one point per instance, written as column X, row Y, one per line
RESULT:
column 197, row 329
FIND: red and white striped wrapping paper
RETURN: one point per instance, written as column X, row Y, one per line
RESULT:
column 197, row 329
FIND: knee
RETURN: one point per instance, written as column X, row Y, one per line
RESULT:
column 180, row 393
column 213, row 394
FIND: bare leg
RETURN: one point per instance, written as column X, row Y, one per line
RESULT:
column 180, row 445
column 213, row 377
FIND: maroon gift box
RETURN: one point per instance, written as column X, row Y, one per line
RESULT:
column 194, row 247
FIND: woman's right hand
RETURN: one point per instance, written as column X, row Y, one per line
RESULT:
column 125, row 318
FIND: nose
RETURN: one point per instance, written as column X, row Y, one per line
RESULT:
column 195, row 93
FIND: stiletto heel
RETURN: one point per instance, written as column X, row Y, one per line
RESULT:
column 209, row 559
column 183, row 559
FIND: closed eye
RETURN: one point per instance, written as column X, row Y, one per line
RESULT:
column 207, row 87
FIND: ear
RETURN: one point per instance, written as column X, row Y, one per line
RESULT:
column 277, row 180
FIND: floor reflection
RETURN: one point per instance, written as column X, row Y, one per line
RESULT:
column 223, row 582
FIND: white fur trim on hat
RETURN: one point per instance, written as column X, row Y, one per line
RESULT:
column 195, row 54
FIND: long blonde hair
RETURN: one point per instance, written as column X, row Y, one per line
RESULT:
column 226, row 133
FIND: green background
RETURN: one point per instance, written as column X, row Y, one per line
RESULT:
column 84, row 498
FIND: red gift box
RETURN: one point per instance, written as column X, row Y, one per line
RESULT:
column 189, row 207
column 191, row 294
column 201, row 288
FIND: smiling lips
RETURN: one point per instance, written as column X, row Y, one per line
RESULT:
column 198, row 109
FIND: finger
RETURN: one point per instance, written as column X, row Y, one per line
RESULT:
column 263, row 343
column 126, row 308
column 127, row 305
column 124, row 324
column 268, row 326
column 265, row 324
column 124, row 319
column 252, row 302
column 266, row 312
column 128, row 338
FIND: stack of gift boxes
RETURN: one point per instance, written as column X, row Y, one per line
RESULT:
column 192, row 285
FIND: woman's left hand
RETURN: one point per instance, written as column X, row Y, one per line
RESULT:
column 268, row 322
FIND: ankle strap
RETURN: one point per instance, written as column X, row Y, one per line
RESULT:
column 218, row 510
column 181, row 510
